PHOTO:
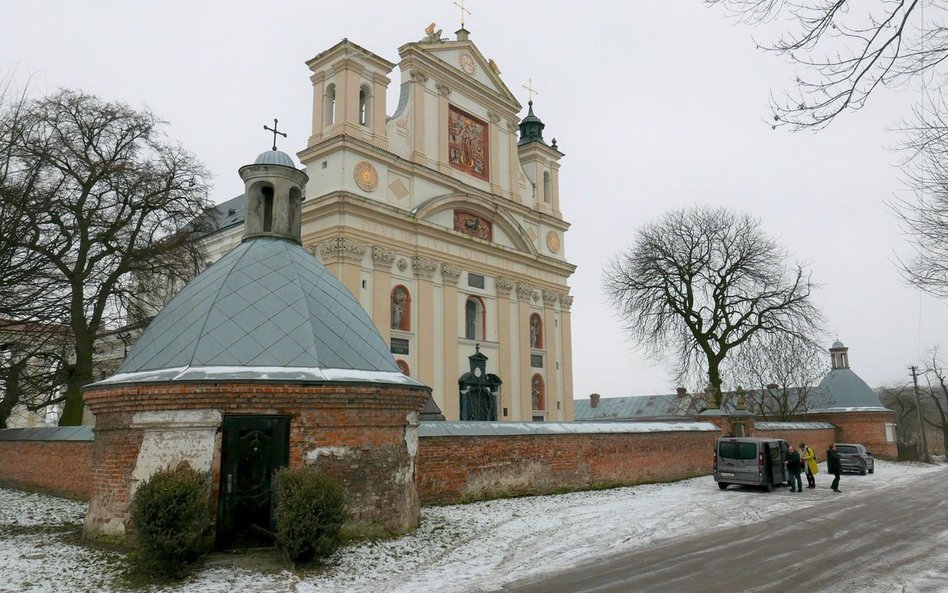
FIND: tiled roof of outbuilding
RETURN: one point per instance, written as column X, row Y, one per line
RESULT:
column 266, row 310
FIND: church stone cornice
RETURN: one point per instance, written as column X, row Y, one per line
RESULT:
column 396, row 220
column 410, row 168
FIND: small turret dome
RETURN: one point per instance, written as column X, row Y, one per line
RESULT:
column 837, row 344
column 275, row 157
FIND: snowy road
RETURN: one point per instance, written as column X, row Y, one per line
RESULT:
column 477, row 547
column 848, row 544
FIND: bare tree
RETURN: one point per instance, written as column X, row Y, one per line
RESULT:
column 705, row 282
column 846, row 50
column 33, row 358
column 780, row 373
column 98, row 196
column 901, row 399
column 924, row 216
column 937, row 394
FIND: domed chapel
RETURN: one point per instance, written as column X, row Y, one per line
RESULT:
column 263, row 360
column 442, row 219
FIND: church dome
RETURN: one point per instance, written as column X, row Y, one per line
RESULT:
column 274, row 157
column 842, row 390
column 265, row 311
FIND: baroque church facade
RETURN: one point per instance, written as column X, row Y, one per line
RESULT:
column 442, row 219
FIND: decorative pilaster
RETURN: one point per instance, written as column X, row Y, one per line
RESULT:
column 424, row 270
column 555, row 400
column 448, row 390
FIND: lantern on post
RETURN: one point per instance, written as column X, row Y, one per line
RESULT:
column 479, row 390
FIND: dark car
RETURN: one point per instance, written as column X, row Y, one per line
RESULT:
column 853, row 457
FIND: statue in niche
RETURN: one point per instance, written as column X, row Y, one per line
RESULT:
column 534, row 332
column 536, row 392
column 399, row 301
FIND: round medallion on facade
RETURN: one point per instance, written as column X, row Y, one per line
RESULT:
column 467, row 64
column 366, row 177
column 553, row 242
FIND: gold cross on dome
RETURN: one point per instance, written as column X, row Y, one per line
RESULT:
column 530, row 90
column 460, row 4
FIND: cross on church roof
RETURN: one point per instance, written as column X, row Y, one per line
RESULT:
column 275, row 132
column 530, row 90
column 460, row 4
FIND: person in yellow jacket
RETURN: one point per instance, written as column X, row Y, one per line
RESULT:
column 809, row 464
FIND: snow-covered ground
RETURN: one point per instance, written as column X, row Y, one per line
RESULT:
column 462, row 548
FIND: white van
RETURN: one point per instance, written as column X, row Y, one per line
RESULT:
column 750, row 461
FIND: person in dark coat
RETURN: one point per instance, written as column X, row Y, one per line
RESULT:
column 833, row 466
column 794, row 465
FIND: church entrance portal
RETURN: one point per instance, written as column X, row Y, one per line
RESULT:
column 252, row 449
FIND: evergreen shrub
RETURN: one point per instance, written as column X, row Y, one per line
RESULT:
column 310, row 512
column 170, row 515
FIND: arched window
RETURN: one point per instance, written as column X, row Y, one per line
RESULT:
column 329, row 105
column 474, row 318
column 403, row 367
column 267, row 209
column 401, row 308
column 536, row 331
column 365, row 105
column 547, row 187
column 538, row 393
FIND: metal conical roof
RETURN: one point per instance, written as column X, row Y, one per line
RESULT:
column 842, row 390
column 265, row 311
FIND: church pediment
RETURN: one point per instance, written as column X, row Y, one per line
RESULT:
column 462, row 58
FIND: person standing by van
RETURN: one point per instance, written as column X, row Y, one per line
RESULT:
column 809, row 464
column 833, row 466
column 794, row 465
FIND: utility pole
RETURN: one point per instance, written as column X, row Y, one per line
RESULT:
column 918, row 409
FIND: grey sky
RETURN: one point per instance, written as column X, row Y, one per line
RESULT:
column 656, row 105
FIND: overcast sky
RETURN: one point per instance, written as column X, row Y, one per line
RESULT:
column 657, row 105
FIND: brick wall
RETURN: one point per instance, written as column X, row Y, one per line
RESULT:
column 461, row 468
column 867, row 428
column 357, row 433
column 57, row 467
